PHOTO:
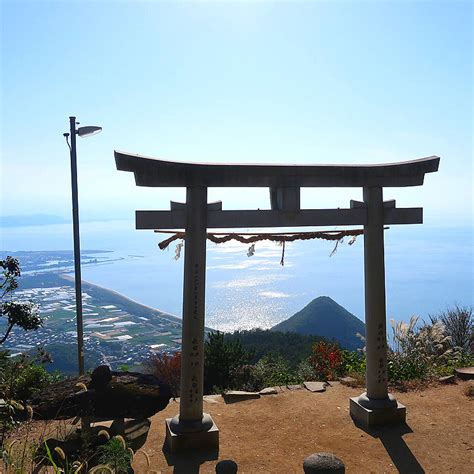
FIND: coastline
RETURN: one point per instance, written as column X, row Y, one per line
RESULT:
column 125, row 299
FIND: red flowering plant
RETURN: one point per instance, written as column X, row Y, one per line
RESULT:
column 326, row 360
column 167, row 368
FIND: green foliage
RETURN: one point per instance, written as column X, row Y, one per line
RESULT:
column 326, row 360
column 353, row 362
column 24, row 315
column 270, row 371
column 292, row 346
column 305, row 371
column 116, row 455
column 221, row 359
column 22, row 376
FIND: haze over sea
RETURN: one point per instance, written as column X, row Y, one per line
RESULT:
column 427, row 269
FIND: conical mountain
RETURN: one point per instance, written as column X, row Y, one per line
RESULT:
column 324, row 317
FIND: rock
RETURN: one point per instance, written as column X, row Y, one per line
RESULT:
column 226, row 466
column 465, row 373
column 447, row 379
column 349, row 381
column 323, row 463
column 294, row 387
column 126, row 395
column 268, row 391
column 315, row 386
column 238, row 395
column 100, row 377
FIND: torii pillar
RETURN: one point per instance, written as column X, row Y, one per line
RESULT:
column 193, row 429
column 376, row 406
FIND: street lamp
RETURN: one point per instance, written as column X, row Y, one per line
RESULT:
column 82, row 132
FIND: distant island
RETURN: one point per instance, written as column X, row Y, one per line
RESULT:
column 31, row 220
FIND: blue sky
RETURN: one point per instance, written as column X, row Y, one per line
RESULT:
column 296, row 82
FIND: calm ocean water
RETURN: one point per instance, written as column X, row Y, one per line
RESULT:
column 427, row 269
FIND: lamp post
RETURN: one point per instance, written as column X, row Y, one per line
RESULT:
column 82, row 132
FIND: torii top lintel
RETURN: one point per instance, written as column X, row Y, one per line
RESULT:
column 159, row 173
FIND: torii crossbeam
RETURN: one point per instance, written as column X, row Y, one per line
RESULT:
column 192, row 428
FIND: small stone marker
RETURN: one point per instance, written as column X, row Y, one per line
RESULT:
column 447, row 379
column 294, row 387
column 323, row 463
column 268, row 391
column 315, row 386
column 239, row 395
column 226, row 466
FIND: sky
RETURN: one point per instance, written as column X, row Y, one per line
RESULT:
column 275, row 82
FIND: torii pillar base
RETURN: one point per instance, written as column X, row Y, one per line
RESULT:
column 206, row 440
column 368, row 413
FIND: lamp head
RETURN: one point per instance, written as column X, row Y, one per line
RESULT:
column 87, row 131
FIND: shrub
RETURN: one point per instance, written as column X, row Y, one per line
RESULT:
column 22, row 376
column 353, row 362
column 419, row 353
column 459, row 326
column 116, row 455
column 306, row 371
column 326, row 360
column 270, row 371
column 221, row 361
column 167, row 368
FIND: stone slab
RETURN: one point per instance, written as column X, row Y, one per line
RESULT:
column 202, row 440
column 465, row 373
column 382, row 416
column 447, row 379
column 348, row 381
column 294, row 387
column 315, row 386
column 211, row 398
column 238, row 395
column 268, row 391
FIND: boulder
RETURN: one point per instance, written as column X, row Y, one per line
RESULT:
column 105, row 395
column 323, row 463
column 315, row 386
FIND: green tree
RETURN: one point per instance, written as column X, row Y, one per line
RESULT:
column 221, row 359
column 24, row 315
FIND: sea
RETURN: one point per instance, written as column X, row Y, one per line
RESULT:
column 428, row 269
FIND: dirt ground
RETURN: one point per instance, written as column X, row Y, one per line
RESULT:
column 275, row 433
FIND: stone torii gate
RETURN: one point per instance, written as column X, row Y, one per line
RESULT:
column 192, row 428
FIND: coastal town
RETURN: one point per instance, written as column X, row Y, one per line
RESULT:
column 117, row 331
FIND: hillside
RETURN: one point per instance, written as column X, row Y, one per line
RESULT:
column 291, row 346
column 324, row 317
